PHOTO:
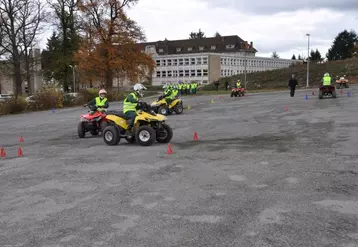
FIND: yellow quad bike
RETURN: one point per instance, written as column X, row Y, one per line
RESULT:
column 148, row 127
column 160, row 106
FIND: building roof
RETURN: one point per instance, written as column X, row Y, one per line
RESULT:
column 223, row 44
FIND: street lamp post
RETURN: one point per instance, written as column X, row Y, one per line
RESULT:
column 245, row 72
column 74, row 77
column 308, row 58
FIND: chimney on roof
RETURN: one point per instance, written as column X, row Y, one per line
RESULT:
column 251, row 44
column 246, row 45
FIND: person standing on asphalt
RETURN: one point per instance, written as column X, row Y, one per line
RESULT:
column 226, row 85
column 217, row 85
column 292, row 83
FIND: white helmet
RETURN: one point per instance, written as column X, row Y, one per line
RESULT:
column 326, row 74
column 102, row 91
column 138, row 88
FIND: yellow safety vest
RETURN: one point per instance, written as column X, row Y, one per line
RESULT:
column 129, row 106
column 99, row 102
column 238, row 85
column 327, row 80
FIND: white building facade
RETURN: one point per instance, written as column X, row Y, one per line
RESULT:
column 206, row 60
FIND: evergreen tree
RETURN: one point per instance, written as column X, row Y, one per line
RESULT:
column 217, row 35
column 293, row 57
column 343, row 46
column 299, row 57
column 275, row 55
column 197, row 35
column 315, row 56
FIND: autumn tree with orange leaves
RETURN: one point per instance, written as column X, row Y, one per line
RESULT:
column 108, row 46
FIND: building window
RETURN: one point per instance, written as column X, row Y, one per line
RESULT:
column 222, row 72
column 164, row 62
column 178, row 49
column 198, row 72
column 205, row 72
column 161, row 50
column 186, row 73
column 181, row 74
column 230, row 46
column 198, row 60
column 201, row 48
column 158, row 62
column 181, row 61
column 190, row 48
column 205, row 82
column 192, row 73
column 164, row 74
column 175, row 73
column 192, row 61
column 169, row 62
column 186, row 61
column 205, row 60
column 169, row 74
column 213, row 47
column 175, row 62
column 158, row 74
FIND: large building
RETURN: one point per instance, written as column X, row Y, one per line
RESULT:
column 207, row 59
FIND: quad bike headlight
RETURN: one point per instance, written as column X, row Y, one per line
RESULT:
column 84, row 119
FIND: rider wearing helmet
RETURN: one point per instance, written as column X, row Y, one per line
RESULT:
column 168, row 94
column 238, row 84
column 326, row 80
column 101, row 102
column 130, row 103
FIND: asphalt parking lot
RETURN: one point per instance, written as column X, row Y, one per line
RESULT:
column 258, row 176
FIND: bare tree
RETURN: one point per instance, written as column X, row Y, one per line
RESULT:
column 32, row 17
column 20, row 20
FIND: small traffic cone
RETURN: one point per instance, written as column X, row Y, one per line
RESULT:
column 2, row 152
column 196, row 138
column 19, row 152
column 21, row 139
column 169, row 149
column 286, row 107
column 348, row 94
column 212, row 101
column 188, row 107
column 306, row 98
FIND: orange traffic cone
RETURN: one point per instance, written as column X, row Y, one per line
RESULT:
column 169, row 150
column 196, row 136
column 2, row 152
column 19, row 152
column 286, row 107
column 21, row 139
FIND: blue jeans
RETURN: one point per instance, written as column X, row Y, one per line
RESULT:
column 131, row 117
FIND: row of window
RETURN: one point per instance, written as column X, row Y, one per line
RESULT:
column 201, row 48
column 182, row 73
column 179, row 81
column 254, row 63
column 237, row 72
column 182, row 61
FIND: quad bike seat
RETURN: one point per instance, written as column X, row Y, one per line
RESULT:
column 118, row 114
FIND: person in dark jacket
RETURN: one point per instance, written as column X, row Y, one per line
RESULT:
column 226, row 85
column 292, row 83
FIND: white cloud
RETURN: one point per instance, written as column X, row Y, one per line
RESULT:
column 283, row 32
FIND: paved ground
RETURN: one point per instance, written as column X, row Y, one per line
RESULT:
column 258, row 176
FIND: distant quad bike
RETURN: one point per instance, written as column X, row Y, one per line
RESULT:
column 237, row 92
column 160, row 106
column 94, row 122
column 342, row 83
column 325, row 91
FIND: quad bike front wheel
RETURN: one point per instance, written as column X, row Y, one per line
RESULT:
column 81, row 130
column 163, row 110
column 164, row 134
column 111, row 135
column 145, row 135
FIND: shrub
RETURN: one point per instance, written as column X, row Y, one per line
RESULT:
column 13, row 106
column 46, row 99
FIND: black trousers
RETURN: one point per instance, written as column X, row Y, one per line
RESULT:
column 292, row 91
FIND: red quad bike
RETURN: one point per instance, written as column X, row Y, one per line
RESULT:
column 237, row 92
column 94, row 122
column 327, row 91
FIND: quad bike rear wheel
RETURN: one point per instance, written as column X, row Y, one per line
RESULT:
column 145, row 135
column 164, row 134
column 179, row 109
column 111, row 135
column 81, row 130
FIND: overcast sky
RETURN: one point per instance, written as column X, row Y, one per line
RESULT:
column 275, row 25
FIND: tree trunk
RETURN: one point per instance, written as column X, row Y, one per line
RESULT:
column 28, row 73
column 109, row 80
column 17, row 78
